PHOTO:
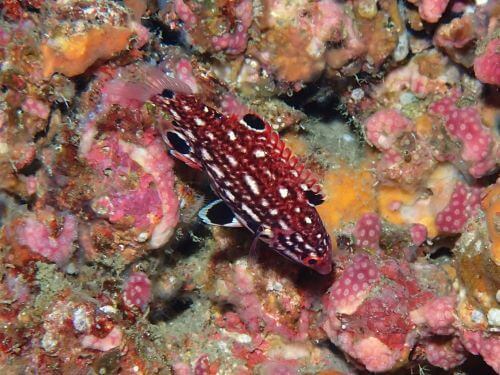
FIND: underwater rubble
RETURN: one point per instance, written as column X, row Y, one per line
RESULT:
column 106, row 267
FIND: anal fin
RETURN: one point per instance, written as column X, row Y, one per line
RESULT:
column 219, row 213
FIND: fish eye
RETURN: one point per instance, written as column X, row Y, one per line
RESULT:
column 169, row 94
column 312, row 262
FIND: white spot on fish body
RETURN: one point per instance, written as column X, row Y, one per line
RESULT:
column 229, row 195
column 175, row 114
column 274, row 212
column 283, row 225
column 198, row 121
column 297, row 209
column 252, row 184
column 210, row 136
column 249, row 211
column 187, row 108
column 232, row 160
column 259, row 153
column 205, row 155
column 308, row 220
column 265, row 202
column 231, row 135
column 205, row 109
column 283, row 192
column 216, row 170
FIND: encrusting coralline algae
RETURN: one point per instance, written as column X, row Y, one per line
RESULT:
column 393, row 106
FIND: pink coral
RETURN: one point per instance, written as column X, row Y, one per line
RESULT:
column 463, row 204
column 438, row 315
column 487, row 65
column 184, row 72
column 464, row 124
column 385, row 126
column 35, row 235
column 36, row 108
column 488, row 347
column 447, row 355
column 418, row 233
column 112, row 340
column 349, row 291
column 235, row 42
column 152, row 205
column 367, row 231
column 185, row 13
column 376, row 356
column 432, row 10
column 137, row 290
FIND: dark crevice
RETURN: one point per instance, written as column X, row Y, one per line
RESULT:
column 31, row 168
column 166, row 311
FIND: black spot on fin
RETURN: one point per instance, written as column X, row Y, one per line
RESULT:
column 218, row 213
column 180, row 149
column 254, row 122
column 169, row 94
column 314, row 198
column 178, row 143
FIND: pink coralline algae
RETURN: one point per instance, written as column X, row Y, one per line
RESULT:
column 185, row 13
column 137, row 290
column 488, row 347
column 349, row 291
column 437, row 315
column 418, row 233
column 112, row 340
column 376, row 329
column 367, row 231
column 463, row 204
column 37, row 237
column 385, row 126
column 235, row 42
column 36, row 108
column 487, row 65
column 432, row 10
column 446, row 355
column 464, row 125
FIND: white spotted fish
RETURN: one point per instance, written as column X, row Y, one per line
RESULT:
column 261, row 185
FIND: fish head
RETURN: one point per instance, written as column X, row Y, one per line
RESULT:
column 313, row 250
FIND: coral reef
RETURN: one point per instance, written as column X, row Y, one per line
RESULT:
column 106, row 268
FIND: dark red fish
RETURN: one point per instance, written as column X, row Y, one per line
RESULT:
column 260, row 183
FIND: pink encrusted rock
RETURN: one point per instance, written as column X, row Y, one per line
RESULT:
column 349, row 291
column 464, row 124
column 184, row 72
column 487, row 65
column 432, row 10
column 232, row 106
column 367, row 231
column 137, row 290
column 236, row 42
column 463, row 204
column 36, row 108
column 375, row 355
column 438, row 315
column 486, row 346
column 447, row 355
column 152, row 205
column 185, row 13
column 202, row 366
column 35, row 235
column 418, row 233
column 112, row 340
column 4, row 37
column 385, row 126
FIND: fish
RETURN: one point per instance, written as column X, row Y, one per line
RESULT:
column 261, row 185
